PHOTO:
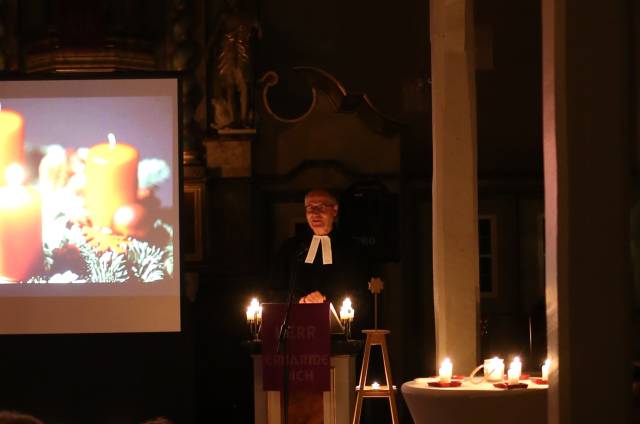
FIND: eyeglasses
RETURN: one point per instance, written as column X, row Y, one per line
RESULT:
column 319, row 207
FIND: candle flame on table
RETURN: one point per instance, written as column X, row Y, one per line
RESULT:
column 112, row 140
column 545, row 369
column 15, row 175
column 445, row 371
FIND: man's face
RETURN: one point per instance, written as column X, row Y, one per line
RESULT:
column 321, row 210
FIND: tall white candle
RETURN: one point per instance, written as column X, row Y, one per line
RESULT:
column 513, row 377
column 446, row 370
column 514, row 372
column 516, row 365
column 545, row 369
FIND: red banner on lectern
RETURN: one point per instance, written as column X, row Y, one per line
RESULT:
column 308, row 346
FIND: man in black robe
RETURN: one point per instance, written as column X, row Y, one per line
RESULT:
column 324, row 264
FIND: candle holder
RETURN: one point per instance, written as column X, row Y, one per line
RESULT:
column 346, row 317
column 254, row 328
column 254, row 319
column 346, row 324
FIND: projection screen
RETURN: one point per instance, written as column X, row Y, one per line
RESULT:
column 89, row 205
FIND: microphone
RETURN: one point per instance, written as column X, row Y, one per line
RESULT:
column 296, row 258
column 301, row 252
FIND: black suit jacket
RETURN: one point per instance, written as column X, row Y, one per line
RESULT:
column 347, row 276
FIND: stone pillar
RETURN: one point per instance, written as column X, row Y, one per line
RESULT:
column 455, row 209
column 587, row 169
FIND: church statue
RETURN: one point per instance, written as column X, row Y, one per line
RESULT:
column 232, row 44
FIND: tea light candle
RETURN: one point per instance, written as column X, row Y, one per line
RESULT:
column 21, row 254
column 446, row 371
column 545, row 369
column 495, row 369
column 112, row 180
column 11, row 140
column 375, row 386
column 346, row 311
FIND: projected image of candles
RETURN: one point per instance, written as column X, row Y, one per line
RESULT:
column 21, row 254
column 80, row 205
column 11, row 140
column 112, row 180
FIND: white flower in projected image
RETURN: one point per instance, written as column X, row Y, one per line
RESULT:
column 152, row 172
column 65, row 278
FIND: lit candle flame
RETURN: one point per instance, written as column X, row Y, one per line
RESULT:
column 445, row 371
column 545, row 369
column 14, row 174
column 112, row 140
column 375, row 385
column 254, row 311
column 346, row 310
column 515, row 371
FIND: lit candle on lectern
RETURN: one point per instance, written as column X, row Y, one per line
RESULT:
column 445, row 371
column 112, row 179
column 346, row 311
column 21, row 253
column 545, row 369
column 514, row 371
column 254, row 311
column 11, row 140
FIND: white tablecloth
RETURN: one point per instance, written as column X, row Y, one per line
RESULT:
column 475, row 403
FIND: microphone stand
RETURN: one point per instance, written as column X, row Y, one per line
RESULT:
column 283, row 337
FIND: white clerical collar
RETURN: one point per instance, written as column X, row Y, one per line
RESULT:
column 327, row 257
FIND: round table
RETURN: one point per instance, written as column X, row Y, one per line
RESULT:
column 473, row 403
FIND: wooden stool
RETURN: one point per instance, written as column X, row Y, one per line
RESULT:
column 376, row 337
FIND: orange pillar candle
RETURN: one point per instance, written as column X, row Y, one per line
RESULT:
column 21, row 255
column 112, row 180
column 11, row 140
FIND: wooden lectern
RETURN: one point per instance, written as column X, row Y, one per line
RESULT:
column 338, row 396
